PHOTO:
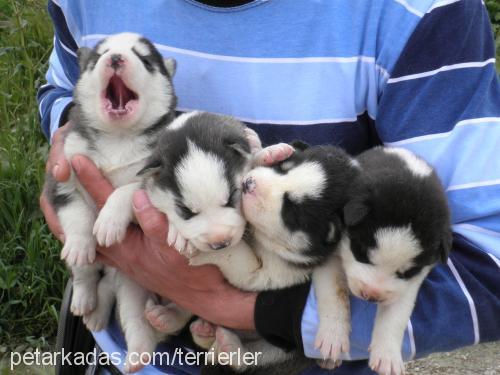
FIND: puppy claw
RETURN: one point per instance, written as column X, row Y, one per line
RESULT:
column 110, row 228
column 332, row 342
column 78, row 250
column 386, row 361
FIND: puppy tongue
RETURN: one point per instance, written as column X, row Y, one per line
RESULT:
column 118, row 94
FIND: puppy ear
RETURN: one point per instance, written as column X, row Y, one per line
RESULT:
column 84, row 54
column 354, row 212
column 241, row 149
column 445, row 246
column 151, row 168
column 299, row 145
column 171, row 66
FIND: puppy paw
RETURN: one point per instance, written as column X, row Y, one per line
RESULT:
column 253, row 140
column 228, row 342
column 328, row 364
column 386, row 361
column 97, row 319
column 110, row 227
column 179, row 242
column 139, row 354
column 78, row 250
column 83, row 301
column 273, row 154
column 332, row 342
column 203, row 333
column 166, row 319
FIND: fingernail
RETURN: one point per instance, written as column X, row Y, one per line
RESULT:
column 55, row 170
column 141, row 200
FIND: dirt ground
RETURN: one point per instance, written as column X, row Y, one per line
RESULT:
column 481, row 359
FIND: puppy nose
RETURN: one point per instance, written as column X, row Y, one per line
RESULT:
column 220, row 245
column 249, row 185
column 370, row 296
column 116, row 60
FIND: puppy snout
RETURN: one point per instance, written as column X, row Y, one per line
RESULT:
column 248, row 185
column 116, row 61
column 220, row 245
column 371, row 295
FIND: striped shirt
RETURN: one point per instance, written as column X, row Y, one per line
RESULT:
column 418, row 74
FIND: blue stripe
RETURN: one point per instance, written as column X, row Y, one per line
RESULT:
column 48, row 98
column 286, row 92
column 354, row 137
column 466, row 155
column 285, row 28
column 467, row 38
column 443, row 100
column 471, row 204
column 441, row 319
column 481, row 276
column 61, row 27
column 68, row 62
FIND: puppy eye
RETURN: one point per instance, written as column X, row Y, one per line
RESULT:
column 231, row 201
column 185, row 212
column 146, row 61
column 409, row 273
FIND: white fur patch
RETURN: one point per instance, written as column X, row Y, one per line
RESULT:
column 306, row 180
column 180, row 121
column 415, row 164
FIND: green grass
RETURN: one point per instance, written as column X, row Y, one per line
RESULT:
column 31, row 276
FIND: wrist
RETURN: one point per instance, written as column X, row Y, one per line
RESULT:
column 236, row 309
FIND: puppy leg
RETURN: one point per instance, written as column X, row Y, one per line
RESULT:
column 203, row 333
column 76, row 218
column 116, row 215
column 238, row 263
column 84, row 298
column 140, row 336
column 167, row 319
column 388, row 331
column 330, row 286
column 98, row 319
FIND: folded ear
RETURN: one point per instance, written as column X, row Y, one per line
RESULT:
column 354, row 212
column 171, row 66
column 299, row 145
column 241, row 148
column 151, row 168
column 83, row 54
column 445, row 246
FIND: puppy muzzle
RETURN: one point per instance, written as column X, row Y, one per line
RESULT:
column 248, row 185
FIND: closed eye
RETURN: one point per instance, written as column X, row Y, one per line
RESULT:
column 409, row 273
column 146, row 60
column 233, row 198
column 185, row 212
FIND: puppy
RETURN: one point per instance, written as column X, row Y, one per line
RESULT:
column 123, row 98
column 294, row 209
column 397, row 229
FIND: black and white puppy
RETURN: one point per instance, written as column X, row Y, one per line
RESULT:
column 295, row 210
column 397, row 229
column 123, row 98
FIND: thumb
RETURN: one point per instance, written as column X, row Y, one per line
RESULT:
column 152, row 222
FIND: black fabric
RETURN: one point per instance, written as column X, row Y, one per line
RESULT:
column 72, row 336
column 224, row 3
column 278, row 316
column 65, row 114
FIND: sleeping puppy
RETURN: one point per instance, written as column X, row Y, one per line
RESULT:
column 123, row 98
column 397, row 229
column 294, row 210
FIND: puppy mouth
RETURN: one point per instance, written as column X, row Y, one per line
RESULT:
column 119, row 100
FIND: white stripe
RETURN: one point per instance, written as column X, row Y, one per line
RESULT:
column 67, row 49
column 283, row 122
column 475, row 228
column 445, row 134
column 41, row 102
column 475, row 184
column 495, row 259
column 474, row 64
column 56, row 2
column 442, row 4
column 409, row 8
column 472, row 306
column 260, row 60
column 413, row 349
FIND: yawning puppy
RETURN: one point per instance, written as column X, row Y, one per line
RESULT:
column 124, row 96
column 397, row 229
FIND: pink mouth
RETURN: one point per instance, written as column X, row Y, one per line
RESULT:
column 118, row 100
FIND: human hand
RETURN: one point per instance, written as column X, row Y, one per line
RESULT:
column 60, row 169
column 145, row 256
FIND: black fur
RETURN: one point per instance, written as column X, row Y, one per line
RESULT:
column 56, row 199
column 387, row 194
column 316, row 216
column 215, row 134
column 293, row 366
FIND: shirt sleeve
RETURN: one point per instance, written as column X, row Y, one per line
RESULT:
column 55, row 96
column 442, row 101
